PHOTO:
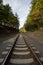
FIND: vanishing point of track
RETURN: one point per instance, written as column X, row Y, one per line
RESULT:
column 21, row 53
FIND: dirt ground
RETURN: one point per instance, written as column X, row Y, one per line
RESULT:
column 38, row 35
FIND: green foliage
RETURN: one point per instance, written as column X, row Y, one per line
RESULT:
column 35, row 18
column 4, row 14
column 0, row 1
column 22, row 29
column 7, row 17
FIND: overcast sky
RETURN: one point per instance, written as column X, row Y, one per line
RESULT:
column 22, row 7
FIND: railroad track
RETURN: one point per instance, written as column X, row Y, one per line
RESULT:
column 22, row 54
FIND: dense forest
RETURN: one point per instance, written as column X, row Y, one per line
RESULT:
column 7, row 18
column 35, row 17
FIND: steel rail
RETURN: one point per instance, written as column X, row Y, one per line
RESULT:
column 36, row 57
column 8, row 55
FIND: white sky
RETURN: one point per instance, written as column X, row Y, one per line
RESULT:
column 21, row 7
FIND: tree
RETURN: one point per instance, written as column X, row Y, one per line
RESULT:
column 4, row 14
column 1, row 1
column 35, row 18
column 7, row 17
